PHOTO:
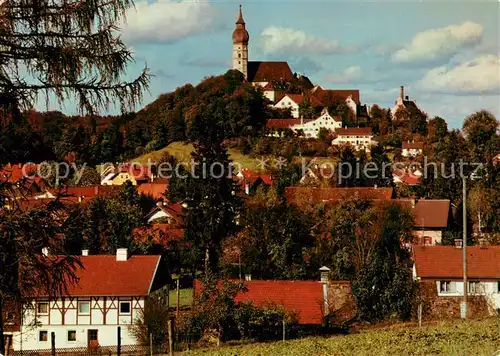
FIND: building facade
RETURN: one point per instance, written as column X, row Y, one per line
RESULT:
column 111, row 291
column 360, row 138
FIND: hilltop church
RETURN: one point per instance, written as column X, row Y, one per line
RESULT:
column 267, row 74
column 258, row 73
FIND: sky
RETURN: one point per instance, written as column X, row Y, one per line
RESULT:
column 446, row 53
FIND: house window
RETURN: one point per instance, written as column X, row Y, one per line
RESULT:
column 9, row 318
column 84, row 308
column 498, row 287
column 239, row 55
column 446, row 287
column 71, row 335
column 42, row 308
column 124, row 307
column 427, row 240
column 43, row 335
column 474, row 287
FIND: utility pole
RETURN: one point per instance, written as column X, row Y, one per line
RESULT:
column 463, row 309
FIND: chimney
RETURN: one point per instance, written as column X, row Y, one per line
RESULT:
column 45, row 251
column 248, row 277
column 85, row 252
column 483, row 243
column 121, row 254
column 402, row 92
column 324, row 274
column 458, row 243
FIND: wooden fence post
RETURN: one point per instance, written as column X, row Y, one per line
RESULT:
column 284, row 329
column 151, row 344
column 53, row 343
column 170, row 338
column 119, row 342
column 420, row 314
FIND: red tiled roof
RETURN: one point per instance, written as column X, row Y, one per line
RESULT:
column 429, row 213
column 305, row 298
column 324, row 94
column 285, row 123
column 103, row 275
column 407, row 177
column 318, row 195
column 446, row 262
column 269, row 71
column 352, row 131
column 86, row 192
column 154, row 189
column 413, row 145
column 16, row 172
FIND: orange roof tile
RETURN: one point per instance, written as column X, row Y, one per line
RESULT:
column 269, row 71
column 352, row 131
column 155, row 189
column 318, row 195
column 103, row 275
column 302, row 297
column 446, row 262
column 413, row 145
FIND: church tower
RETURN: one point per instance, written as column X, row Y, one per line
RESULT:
column 240, row 46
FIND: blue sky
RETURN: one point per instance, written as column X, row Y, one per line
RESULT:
column 445, row 53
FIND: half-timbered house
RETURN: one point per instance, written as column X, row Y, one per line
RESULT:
column 111, row 291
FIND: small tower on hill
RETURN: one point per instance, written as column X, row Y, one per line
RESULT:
column 240, row 45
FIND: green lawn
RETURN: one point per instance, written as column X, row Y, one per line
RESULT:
column 186, row 297
column 480, row 338
column 182, row 152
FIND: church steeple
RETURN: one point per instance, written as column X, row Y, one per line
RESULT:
column 240, row 45
column 240, row 20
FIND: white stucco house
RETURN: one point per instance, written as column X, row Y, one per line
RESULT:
column 442, row 266
column 360, row 138
column 412, row 149
column 310, row 127
column 111, row 291
column 430, row 219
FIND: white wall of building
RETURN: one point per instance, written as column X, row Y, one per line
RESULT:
column 311, row 129
column 411, row 152
column 435, row 235
column 359, row 142
column 103, row 315
column 285, row 103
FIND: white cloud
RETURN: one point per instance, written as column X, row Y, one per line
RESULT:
column 280, row 39
column 348, row 75
column 440, row 43
column 478, row 76
column 165, row 21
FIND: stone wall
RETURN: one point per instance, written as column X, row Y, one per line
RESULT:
column 439, row 307
column 341, row 304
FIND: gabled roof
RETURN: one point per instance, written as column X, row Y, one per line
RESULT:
column 446, row 262
column 269, row 71
column 413, row 145
column 318, row 195
column 103, row 275
column 285, row 123
column 154, row 189
column 429, row 213
column 325, row 94
column 305, row 298
column 406, row 177
column 353, row 131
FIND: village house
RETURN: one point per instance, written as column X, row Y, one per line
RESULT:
column 360, row 138
column 412, row 149
column 24, row 179
column 404, row 102
column 111, row 292
column 156, row 189
column 406, row 176
column 250, row 180
column 166, row 213
column 313, row 195
column 294, row 101
column 439, row 270
column 431, row 218
column 350, row 96
column 308, row 127
column 133, row 173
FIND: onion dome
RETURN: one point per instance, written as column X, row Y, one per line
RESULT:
column 240, row 34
